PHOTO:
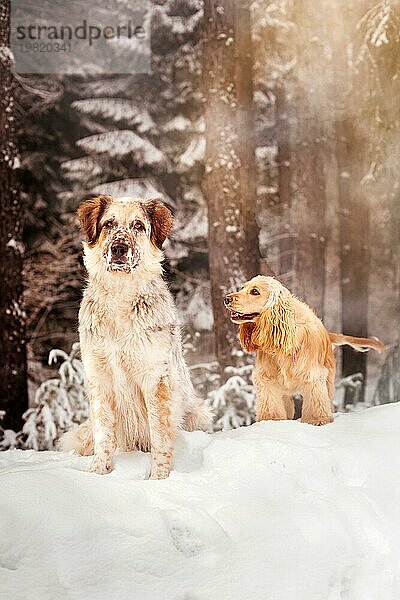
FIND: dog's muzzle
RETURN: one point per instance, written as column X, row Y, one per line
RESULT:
column 119, row 252
column 237, row 317
column 122, row 255
column 228, row 301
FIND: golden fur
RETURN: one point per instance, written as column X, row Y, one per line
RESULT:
column 138, row 384
column 294, row 350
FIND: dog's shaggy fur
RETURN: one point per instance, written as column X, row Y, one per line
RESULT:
column 138, row 383
column 294, row 350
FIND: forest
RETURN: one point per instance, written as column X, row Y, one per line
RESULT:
column 271, row 128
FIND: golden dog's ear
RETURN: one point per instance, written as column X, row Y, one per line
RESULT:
column 161, row 219
column 246, row 331
column 89, row 213
column 276, row 326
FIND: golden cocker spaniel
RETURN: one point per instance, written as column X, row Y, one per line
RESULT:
column 294, row 350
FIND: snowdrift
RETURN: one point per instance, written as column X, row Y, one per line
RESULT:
column 277, row 511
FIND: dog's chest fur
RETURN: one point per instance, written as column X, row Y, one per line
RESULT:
column 280, row 369
column 131, row 334
column 134, row 326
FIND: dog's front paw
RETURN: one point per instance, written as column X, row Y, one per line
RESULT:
column 317, row 420
column 159, row 472
column 101, row 465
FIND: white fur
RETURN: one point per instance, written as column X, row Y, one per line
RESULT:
column 131, row 345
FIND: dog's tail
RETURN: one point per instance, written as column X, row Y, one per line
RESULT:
column 80, row 440
column 358, row 343
column 198, row 415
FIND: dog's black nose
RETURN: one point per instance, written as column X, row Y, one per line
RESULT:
column 228, row 300
column 119, row 249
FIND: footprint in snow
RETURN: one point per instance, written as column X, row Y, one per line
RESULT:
column 186, row 541
column 193, row 532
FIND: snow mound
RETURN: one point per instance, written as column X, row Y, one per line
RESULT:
column 278, row 510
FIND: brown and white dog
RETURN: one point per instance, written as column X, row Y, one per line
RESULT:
column 138, row 384
column 294, row 350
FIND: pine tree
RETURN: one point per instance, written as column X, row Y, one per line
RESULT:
column 52, row 276
column 145, row 138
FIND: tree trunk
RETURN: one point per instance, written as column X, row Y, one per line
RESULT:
column 230, row 178
column 284, row 179
column 354, row 242
column 352, row 159
column 13, row 370
column 244, row 59
column 308, row 176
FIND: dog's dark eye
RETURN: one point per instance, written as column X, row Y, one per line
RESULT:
column 138, row 226
column 109, row 223
column 254, row 292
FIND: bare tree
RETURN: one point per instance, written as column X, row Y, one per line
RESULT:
column 13, row 370
column 229, row 182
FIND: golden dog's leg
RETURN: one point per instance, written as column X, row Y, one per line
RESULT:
column 162, row 428
column 102, row 418
column 289, row 406
column 270, row 403
column 317, row 405
column 330, row 385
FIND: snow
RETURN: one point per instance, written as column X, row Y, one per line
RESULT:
column 6, row 54
column 178, row 123
column 196, row 227
column 277, row 510
column 178, row 25
column 144, row 188
column 122, row 142
column 193, row 154
column 81, row 168
column 198, row 310
column 117, row 109
column 16, row 245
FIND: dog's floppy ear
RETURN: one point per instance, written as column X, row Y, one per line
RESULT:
column 246, row 331
column 276, row 326
column 161, row 219
column 89, row 213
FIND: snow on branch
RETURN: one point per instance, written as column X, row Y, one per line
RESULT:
column 377, row 21
column 84, row 168
column 60, row 405
column 234, row 401
column 117, row 109
column 193, row 154
column 388, row 386
column 144, row 188
column 123, row 142
column 353, row 382
column 177, row 24
column 178, row 123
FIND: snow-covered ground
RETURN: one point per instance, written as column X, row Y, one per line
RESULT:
column 275, row 511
